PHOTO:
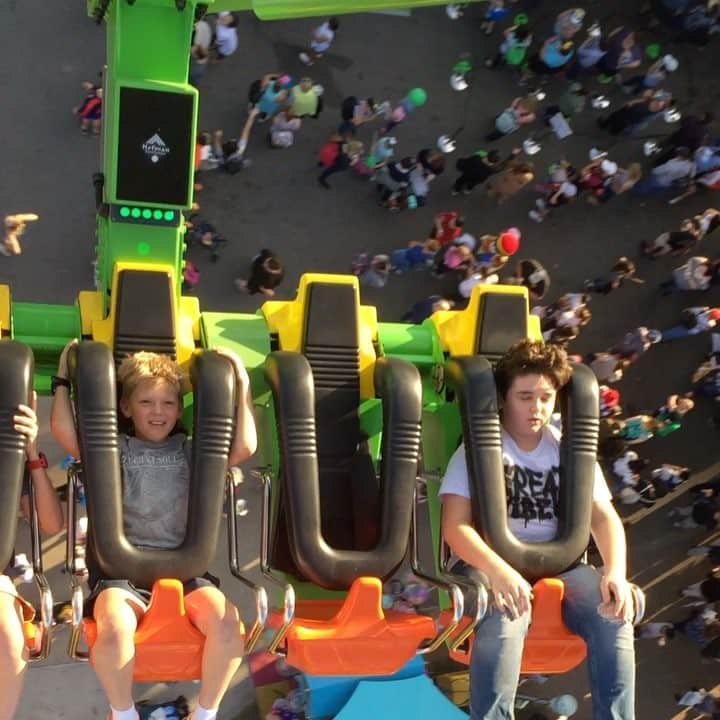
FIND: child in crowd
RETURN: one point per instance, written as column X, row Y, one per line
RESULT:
column 416, row 255
column 226, row 37
column 322, row 38
column 623, row 269
column 90, row 112
column 156, row 476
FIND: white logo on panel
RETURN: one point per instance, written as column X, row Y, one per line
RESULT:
column 155, row 148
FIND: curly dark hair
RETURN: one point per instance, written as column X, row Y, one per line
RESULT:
column 530, row 357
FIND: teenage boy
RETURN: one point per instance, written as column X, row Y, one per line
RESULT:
column 528, row 379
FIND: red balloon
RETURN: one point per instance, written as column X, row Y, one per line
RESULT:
column 509, row 241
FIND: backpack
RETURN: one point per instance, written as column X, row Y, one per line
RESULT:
column 282, row 138
column 507, row 121
column 234, row 164
column 515, row 56
column 329, row 153
column 255, row 92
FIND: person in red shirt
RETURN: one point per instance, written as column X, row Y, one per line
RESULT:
column 447, row 227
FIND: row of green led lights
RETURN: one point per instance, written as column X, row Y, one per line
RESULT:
column 146, row 214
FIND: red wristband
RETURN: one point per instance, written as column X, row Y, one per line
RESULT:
column 41, row 462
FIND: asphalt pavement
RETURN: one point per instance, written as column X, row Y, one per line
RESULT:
column 50, row 48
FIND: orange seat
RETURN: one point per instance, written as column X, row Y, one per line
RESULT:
column 30, row 633
column 354, row 636
column 550, row 648
column 167, row 645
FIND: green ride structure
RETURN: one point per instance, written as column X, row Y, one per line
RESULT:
column 356, row 417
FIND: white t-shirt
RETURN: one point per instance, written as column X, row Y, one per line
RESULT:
column 324, row 32
column 226, row 38
column 531, row 484
column 203, row 34
column 465, row 287
column 621, row 467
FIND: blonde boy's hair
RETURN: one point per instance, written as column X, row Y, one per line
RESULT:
column 148, row 366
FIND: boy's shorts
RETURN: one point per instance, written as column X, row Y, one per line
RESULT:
column 143, row 595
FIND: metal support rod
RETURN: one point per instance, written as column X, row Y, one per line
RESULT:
column 46, row 598
column 77, row 594
column 265, row 477
column 450, row 587
column 261, row 600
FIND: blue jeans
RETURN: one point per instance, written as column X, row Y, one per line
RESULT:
column 676, row 333
column 649, row 186
column 498, row 648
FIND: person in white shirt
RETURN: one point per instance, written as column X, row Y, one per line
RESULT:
column 226, row 37
column 476, row 276
column 322, row 39
column 528, row 378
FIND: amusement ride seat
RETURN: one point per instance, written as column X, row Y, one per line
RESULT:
column 501, row 320
column 168, row 646
column 16, row 387
column 338, row 522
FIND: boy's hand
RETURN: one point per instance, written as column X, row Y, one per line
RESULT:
column 234, row 358
column 511, row 591
column 615, row 589
column 25, row 422
column 63, row 362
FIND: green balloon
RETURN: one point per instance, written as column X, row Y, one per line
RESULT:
column 371, row 161
column 418, row 97
column 653, row 51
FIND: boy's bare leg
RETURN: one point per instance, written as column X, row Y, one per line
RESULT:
column 219, row 620
column 13, row 656
column 116, row 613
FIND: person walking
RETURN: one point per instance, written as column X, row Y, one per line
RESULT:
column 323, row 37
column 266, row 273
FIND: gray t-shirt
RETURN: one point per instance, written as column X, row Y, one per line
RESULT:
column 156, row 486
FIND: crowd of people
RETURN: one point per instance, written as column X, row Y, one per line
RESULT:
column 366, row 142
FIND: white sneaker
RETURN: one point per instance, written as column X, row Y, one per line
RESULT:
column 305, row 58
column 536, row 216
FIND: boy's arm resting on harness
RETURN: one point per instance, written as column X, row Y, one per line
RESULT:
column 62, row 418
column 512, row 593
